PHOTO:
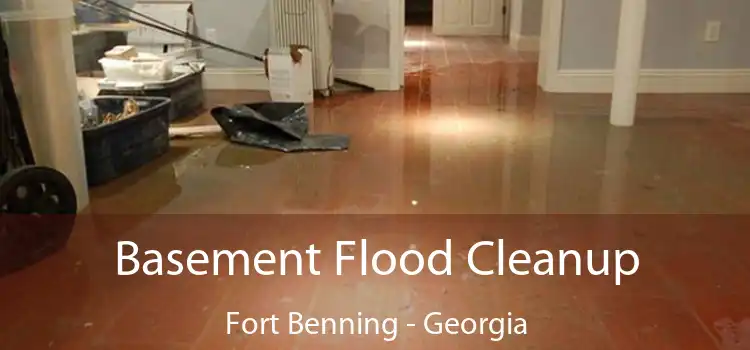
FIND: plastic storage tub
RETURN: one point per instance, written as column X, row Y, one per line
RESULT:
column 115, row 149
column 185, row 90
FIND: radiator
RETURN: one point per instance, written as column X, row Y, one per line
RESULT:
column 309, row 23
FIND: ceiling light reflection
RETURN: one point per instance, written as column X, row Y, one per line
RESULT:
column 415, row 43
column 477, row 128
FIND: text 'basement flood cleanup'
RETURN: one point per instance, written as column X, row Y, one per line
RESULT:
column 411, row 262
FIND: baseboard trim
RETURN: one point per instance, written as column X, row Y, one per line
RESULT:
column 662, row 81
column 520, row 42
column 377, row 78
column 255, row 78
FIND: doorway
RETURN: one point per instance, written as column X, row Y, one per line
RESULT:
column 418, row 12
column 457, row 17
column 443, row 18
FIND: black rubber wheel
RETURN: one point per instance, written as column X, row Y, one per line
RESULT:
column 38, row 206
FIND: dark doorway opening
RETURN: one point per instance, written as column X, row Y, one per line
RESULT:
column 418, row 12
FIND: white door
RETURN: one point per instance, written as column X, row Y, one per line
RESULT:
column 468, row 17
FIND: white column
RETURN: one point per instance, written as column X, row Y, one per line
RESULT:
column 628, row 62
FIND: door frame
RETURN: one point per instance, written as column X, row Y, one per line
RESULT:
column 397, row 23
column 397, row 16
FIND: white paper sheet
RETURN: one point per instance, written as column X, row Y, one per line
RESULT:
column 290, row 81
column 280, row 75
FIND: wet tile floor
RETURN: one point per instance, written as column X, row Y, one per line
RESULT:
column 470, row 134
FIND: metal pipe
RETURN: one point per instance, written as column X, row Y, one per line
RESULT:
column 40, row 44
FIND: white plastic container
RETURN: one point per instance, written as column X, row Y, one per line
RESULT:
column 137, row 70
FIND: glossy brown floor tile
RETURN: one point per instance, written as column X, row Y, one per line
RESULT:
column 469, row 134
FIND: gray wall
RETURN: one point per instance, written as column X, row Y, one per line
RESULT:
column 674, row 34
column 360, row 34
column 239, row 24
column 525, row 17
column 531, row 24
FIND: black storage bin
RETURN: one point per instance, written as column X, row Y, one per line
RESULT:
column 185, row 91
column 115, row 149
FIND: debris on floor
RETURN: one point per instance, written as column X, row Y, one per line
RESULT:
column 406, row 308
column 90, row 116
column 734, row 335
column 280, row 126
column 194, row 131
column 407, row 304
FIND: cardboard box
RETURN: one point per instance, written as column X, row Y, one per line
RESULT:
column 124, row 52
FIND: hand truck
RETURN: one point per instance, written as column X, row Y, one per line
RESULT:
column 38, row 204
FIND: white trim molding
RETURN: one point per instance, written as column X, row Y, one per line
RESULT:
column 549, row 42
column 661, row 81
column 520, row 42
column 255, row 79
column 396, row 55
column 377, row 78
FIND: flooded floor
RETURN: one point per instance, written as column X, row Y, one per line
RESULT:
column 469, row 134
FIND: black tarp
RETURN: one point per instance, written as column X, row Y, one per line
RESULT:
column 281, row 126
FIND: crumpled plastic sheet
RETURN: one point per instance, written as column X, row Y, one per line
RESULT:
column 281, row 126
